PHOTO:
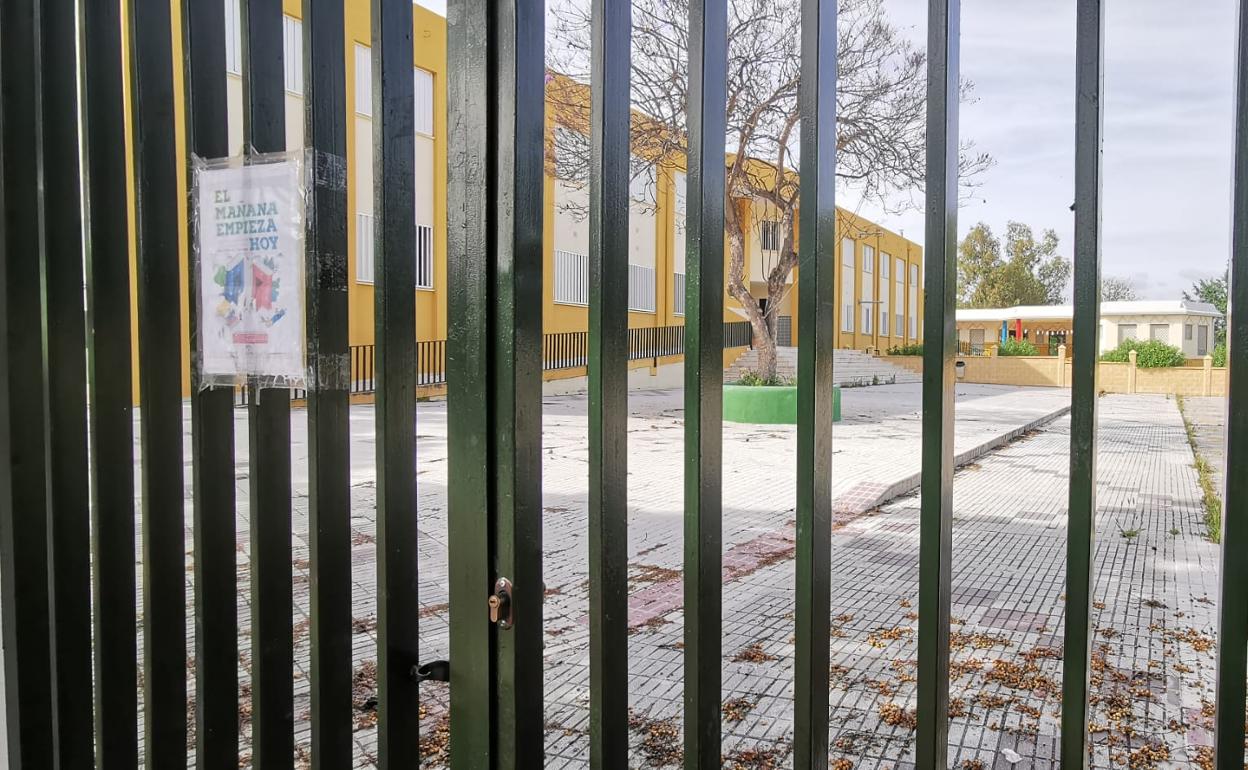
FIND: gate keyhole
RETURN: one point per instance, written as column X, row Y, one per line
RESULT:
column 500, row 604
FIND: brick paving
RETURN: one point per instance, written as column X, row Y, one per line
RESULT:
column 1153, row 619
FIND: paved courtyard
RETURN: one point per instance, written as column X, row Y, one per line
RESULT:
column 1156, row 582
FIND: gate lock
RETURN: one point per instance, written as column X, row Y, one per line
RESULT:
column 500, row 604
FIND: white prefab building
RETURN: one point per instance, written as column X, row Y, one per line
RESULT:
column 1189, row 326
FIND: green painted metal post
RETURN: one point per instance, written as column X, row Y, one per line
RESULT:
column 65, row 380
column 329, row 372
column 394, row 163
column 212, row 430
column 818, row 284
column 496, row 97
column 1081, row 535
column 704, row 375
column 110, row 389
column 608, row 384
column 159, row 291
column 940, row 346
column 1232, row 607
column 468, row 234
column 268, row 433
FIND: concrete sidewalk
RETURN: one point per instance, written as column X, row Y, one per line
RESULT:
column 877, row 455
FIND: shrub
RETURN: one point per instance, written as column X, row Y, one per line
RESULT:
column 1219, row 354
column 1017, row 348
column 1149, row 354
column 755, row 380
column 913, row 349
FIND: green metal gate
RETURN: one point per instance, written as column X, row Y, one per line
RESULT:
column 66, row 473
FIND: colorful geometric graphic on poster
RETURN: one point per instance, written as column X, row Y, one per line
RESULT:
column 250, row 238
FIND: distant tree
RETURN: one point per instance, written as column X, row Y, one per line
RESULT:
column 1025, row 272
column 1215, row 292
column 1115, row 289
column 880, row 106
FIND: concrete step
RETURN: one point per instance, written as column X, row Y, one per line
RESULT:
column 849, row 367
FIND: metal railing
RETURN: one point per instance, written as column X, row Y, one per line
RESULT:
column 67, row 476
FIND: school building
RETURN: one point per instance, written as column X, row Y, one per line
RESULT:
column 881, row 301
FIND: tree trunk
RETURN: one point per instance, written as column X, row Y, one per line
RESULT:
column 738, row 289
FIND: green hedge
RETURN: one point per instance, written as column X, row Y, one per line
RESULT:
column 1219, row 354
column 1149, row 354
column 1017, row 348
column 913, row 349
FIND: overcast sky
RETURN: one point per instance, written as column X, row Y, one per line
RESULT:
column 1168, row 129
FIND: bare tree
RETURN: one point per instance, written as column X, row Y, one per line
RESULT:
column 881, row 111
column 1115, row 289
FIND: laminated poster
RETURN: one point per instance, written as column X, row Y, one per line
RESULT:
column 251, row 272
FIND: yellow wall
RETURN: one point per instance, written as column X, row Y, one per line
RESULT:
column 429, row 52
column 1111, row 377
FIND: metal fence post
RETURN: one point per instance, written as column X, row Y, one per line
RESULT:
column 817, row 279
column 268, row 431
column 609, row 351
column 110, row 387
column 23, row 484
column 496, row 98
column 940, row 346
column 1081, row 535
column 1232, row 610
column 64, row 377
column 160, row 383
column 212, row 426
column 704, row 364
column 394, row 370
column 329, row 368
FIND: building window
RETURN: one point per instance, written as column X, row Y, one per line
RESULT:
column 1159, row 332
column 640, row 288
column 678, row 293
column 769, row 235
column 292, row 55
column 899, row 298
column 1125, row 332
column 363, row 81
column 1187, row 332
column 914, row 301
column 364, row 265
column 885, row 262
column 847, row 285
column 424, row 257
column 423, row 93
column 1202, row 340
column 572, row 278
column 868, row 289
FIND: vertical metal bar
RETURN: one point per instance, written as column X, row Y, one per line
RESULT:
column 160, row 384
column 23, row 509
column 516, row 338
column 1232, row 610
column 212, row 431
column 940, row 344
column 268, row 434
column 64, row 377
column 817, row 278
column 469, row 208
column 392, row 372
column 704, row 330
column 329, row 366
column 1080, row 543
column 497, row 103
column 608, row 341
column 110, row 387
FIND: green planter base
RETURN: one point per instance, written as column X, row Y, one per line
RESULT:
column 768, row 404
